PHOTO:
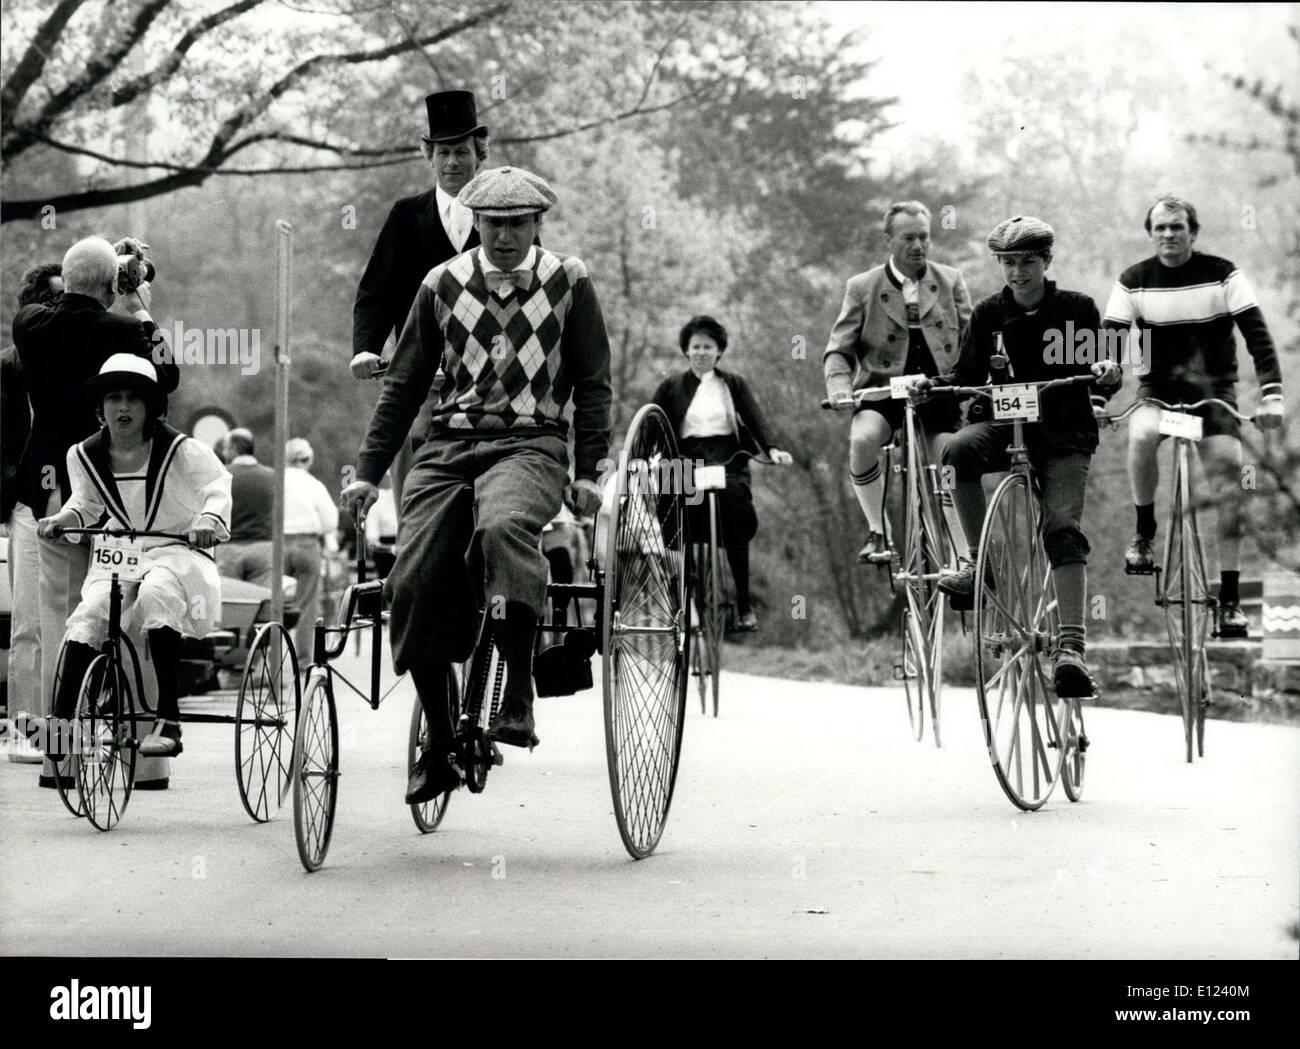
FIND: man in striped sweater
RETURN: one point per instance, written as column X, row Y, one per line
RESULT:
column 1185, row 304
column 518, row 333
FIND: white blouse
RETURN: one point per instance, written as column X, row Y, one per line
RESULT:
column 712, row 412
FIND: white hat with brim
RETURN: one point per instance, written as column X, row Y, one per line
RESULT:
column 126, row 371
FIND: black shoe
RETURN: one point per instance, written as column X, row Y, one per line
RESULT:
column 514, row 726
column 433, row 774
column 959, row 582
column 876, row 552
column 747, row 623
column 1070, row 675
column 1139, row 558
column 1232, row 620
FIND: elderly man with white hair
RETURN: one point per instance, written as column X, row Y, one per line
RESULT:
column 62, row 347
column 310, row 519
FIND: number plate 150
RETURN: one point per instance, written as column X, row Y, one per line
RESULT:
column 116, row 556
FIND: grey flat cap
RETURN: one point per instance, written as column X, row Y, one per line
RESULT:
column 502, row 192
column 1021, row 235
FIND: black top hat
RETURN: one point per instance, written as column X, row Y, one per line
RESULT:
column 452, row 115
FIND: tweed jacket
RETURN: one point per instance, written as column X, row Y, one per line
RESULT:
column 870, row 339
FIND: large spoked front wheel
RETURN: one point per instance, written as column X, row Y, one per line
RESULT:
column 315, row 772
column 105, row 743
column 710, row 606
column 1186, row 603
column 1015, row 632
column 265, row 715
column 646, row 631
column 925, row 552
column 428, row 814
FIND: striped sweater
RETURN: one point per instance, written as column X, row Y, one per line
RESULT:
column 1188, row 312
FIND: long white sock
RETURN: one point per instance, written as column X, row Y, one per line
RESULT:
column 869, row 487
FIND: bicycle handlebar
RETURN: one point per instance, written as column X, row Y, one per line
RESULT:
column 1179, row 407
column 131, row 532
column 859, row 396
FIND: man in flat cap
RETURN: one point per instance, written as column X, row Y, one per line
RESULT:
column 1027, row 313
column 421, row 232
column 518, row 333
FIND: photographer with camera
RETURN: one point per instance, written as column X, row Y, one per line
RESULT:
column 61, row 348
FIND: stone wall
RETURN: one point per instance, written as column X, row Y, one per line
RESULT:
column 1243, row 681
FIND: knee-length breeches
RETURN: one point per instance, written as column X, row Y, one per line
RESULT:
column 448, row 563
column 980, row 448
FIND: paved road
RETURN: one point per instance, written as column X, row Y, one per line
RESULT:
column 806, row 823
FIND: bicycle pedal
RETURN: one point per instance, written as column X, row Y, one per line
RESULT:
column 1131, row 570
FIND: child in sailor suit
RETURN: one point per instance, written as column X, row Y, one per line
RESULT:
column 139, row 473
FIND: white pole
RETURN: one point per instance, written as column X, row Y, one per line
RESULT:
column 284, row 233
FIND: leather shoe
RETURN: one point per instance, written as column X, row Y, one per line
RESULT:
column 514, row 727
column 1070, row 675
column 1233, row 622
column 433, row 775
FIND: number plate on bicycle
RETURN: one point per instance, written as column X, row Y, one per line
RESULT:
column 1016, row 402
column 710, row 478
column 898, row 385
column 1181, row 424
column 117, row 555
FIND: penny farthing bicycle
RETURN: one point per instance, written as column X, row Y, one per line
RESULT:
column 641, row 630
column 925, row 550
column 1182, row 583
column 1035, row 738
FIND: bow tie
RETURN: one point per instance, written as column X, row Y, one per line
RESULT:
column 497, row 279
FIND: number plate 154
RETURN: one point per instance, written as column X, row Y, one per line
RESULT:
column 1016, row 402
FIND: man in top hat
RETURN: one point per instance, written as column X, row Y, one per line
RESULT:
column 420, row 232
column 519, row 332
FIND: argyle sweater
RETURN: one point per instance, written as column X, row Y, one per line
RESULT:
column 1189, row 311
column 512, row 364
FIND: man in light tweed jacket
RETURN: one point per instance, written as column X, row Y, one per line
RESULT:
column 905, row 317
column 518, row 332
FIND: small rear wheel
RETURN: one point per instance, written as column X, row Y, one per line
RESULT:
column 315, row 772
column 65, row 771
column 1076, row 751
column 428, row 814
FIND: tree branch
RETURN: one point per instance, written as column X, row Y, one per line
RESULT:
column 23, row 136
column 31, row 66
column 132, row 89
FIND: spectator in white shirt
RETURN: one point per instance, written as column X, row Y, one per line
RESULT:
column 310, row 519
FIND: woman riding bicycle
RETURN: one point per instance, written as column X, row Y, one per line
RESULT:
column 718, row 421
column 139, row 473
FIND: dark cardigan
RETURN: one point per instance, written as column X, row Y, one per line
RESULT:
column 675, row 394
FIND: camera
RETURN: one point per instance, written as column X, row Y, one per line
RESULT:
column 132, row 271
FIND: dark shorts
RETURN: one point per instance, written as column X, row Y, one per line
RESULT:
column 942, row 415
column 1218, row 423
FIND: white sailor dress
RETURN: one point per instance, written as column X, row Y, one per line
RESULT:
column 183, row 481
